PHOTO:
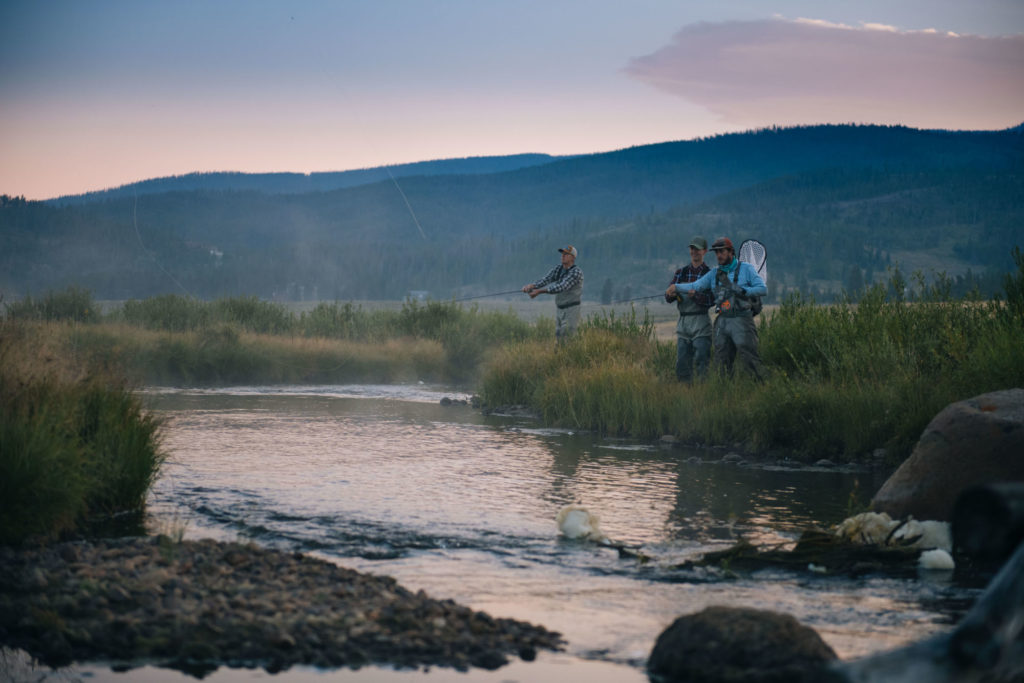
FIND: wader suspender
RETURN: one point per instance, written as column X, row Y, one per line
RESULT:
column 754, row 309
column 683, row 315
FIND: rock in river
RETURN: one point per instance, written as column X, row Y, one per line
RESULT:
column 738, row 644
column 972, row 442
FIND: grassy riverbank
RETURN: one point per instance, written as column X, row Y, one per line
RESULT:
column 843, row 379
column 75, row 444
column 183, row 341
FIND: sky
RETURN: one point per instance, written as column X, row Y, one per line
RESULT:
column 102, row 93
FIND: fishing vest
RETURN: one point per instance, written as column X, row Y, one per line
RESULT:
column 727, row 302
column 571, row 296
column 689, row 307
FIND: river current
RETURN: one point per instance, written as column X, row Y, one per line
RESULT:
column 386, row 480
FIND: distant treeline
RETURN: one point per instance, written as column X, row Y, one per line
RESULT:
column 837, row 206
column 297, row 183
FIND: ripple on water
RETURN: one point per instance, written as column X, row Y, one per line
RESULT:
column 386, row 480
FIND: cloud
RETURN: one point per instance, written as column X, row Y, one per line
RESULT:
column 778, row 71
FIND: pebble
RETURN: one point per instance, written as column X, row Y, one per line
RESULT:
column 199, row 605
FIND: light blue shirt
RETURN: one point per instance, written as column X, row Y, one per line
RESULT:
column 749, row 281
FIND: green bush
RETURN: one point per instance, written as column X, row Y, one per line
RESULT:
column 74, row 444
column 468, row 336
column 42, row 490
column 346, row 321
column 253, row 314
column 72, row 304
column 167, row 312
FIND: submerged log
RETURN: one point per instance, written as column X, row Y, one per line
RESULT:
column 988, row 521
column 822, row 549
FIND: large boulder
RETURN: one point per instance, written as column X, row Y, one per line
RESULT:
column 739, row 645
column 972, row 442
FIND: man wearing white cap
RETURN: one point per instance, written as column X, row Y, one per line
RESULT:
column 565, row 281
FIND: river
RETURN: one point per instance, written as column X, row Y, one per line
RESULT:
column 386, row 480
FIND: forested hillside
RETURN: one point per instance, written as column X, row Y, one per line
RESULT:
column 297, row 183
column 836, row 206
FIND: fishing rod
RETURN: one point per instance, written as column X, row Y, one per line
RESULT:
column 639, row 298
column 484, row 296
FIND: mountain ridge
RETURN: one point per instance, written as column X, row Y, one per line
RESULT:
column 284, row 182
column 852, row 192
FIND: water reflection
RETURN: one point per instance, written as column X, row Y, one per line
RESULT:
column 463, row 506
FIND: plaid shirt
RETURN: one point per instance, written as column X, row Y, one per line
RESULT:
column 563, row 279
column 690, row 274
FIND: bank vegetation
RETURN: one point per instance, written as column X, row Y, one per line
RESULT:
column 843, row 380
column 77, row 449
column 182, row 341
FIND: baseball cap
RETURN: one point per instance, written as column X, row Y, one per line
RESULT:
column 699, row 242
column 569, row 249
column 722, row 243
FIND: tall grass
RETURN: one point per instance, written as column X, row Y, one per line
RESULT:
column 72, row 304
column 843, row 379
column 75, row 443
column 218, row 344
column 224, row 355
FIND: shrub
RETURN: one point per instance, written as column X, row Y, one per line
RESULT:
column 72, row 304
column 167, row 312
column 334, row 321
column 75, row 443
column 253, row 314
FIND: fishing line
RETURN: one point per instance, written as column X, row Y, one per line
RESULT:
column 135, row 222
column 483, row 296
column 406, row 199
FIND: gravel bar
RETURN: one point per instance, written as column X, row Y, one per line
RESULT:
column 198, row 605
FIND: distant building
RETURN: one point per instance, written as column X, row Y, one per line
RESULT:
column 419, row 294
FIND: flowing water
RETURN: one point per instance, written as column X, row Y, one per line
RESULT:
column 385, row 480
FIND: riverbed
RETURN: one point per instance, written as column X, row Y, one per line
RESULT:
column 386, row 480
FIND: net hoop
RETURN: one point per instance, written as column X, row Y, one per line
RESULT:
column 754, row 253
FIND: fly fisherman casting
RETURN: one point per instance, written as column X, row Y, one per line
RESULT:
column 565, row 281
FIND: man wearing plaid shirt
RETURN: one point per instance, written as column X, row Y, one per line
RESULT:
column 693, row 331
column 565, row 281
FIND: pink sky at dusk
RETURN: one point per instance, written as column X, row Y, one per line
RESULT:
column 793, row 72
column 95, row 95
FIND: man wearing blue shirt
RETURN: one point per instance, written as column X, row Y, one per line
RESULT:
column 735, row 285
